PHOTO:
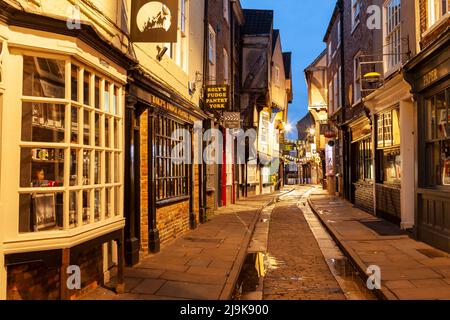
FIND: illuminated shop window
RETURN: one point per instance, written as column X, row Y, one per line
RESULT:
column 70, row 147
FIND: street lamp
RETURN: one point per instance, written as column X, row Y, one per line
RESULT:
column 288, row 127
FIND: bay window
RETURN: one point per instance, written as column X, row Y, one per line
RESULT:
column 69, row 146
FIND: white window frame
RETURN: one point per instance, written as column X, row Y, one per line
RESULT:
column 356, row 13
column 432, row 10
column 392, row 35
column 113, row 149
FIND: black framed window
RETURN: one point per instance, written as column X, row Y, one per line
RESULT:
column 437, row 139
column 171, row 171
column 363, row 159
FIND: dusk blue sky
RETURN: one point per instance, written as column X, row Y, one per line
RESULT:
column 302, row 25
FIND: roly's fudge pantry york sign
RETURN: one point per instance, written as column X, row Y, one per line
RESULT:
column 217, row 97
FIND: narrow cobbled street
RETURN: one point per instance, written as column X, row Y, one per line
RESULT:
column 300, row 271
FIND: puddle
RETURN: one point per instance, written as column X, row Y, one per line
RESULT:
column 249, row 285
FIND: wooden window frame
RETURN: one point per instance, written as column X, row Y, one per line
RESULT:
column 69, row 147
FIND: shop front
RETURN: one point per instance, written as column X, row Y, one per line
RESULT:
column 167, row 183
column 429, row 75
column 61, row 167
column 361, row 167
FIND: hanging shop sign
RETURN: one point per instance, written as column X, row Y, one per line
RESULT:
column 232, row 120
column 154, row 21
column 217, row 97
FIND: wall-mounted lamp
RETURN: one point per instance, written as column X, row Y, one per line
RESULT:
column 161, row 52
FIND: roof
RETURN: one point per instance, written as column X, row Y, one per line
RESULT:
column 303, row 125
column 287, row 60
column 275, row 35
column 257, row 21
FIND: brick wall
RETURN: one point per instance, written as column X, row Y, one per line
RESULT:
column 388, row 202
column 172, row 221
column 33, row 281
column 37, row 281
column 90, row 262
column 364, row 196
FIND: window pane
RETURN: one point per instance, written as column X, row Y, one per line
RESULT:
column 107, row 133
column 108, row 167
column 74, row 83
column 116, row 167
column 106, row 97
column 116, row 133
column 86, row 167
column 431, row 119
column 446, row 163
column 40, row 167
column 86, row 88
column 40, row 212
column 117, row 199
column 441, row 114
column 108, row 203
column 73, row 167
column 392, row 166
column 97, row 167
column 115, row 101
column 97, row 204
column 43, row 122
column 86, row 127
column 97, row 129
column 43, row 77
column 73, row 209
column 97, row 92
column 86, row 206
column 74, row 125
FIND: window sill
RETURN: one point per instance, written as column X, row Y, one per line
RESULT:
column 166, row 202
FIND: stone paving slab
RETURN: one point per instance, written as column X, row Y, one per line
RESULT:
column 202, row 264
column 406, row 271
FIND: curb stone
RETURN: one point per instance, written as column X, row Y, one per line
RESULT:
column 383, row 293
